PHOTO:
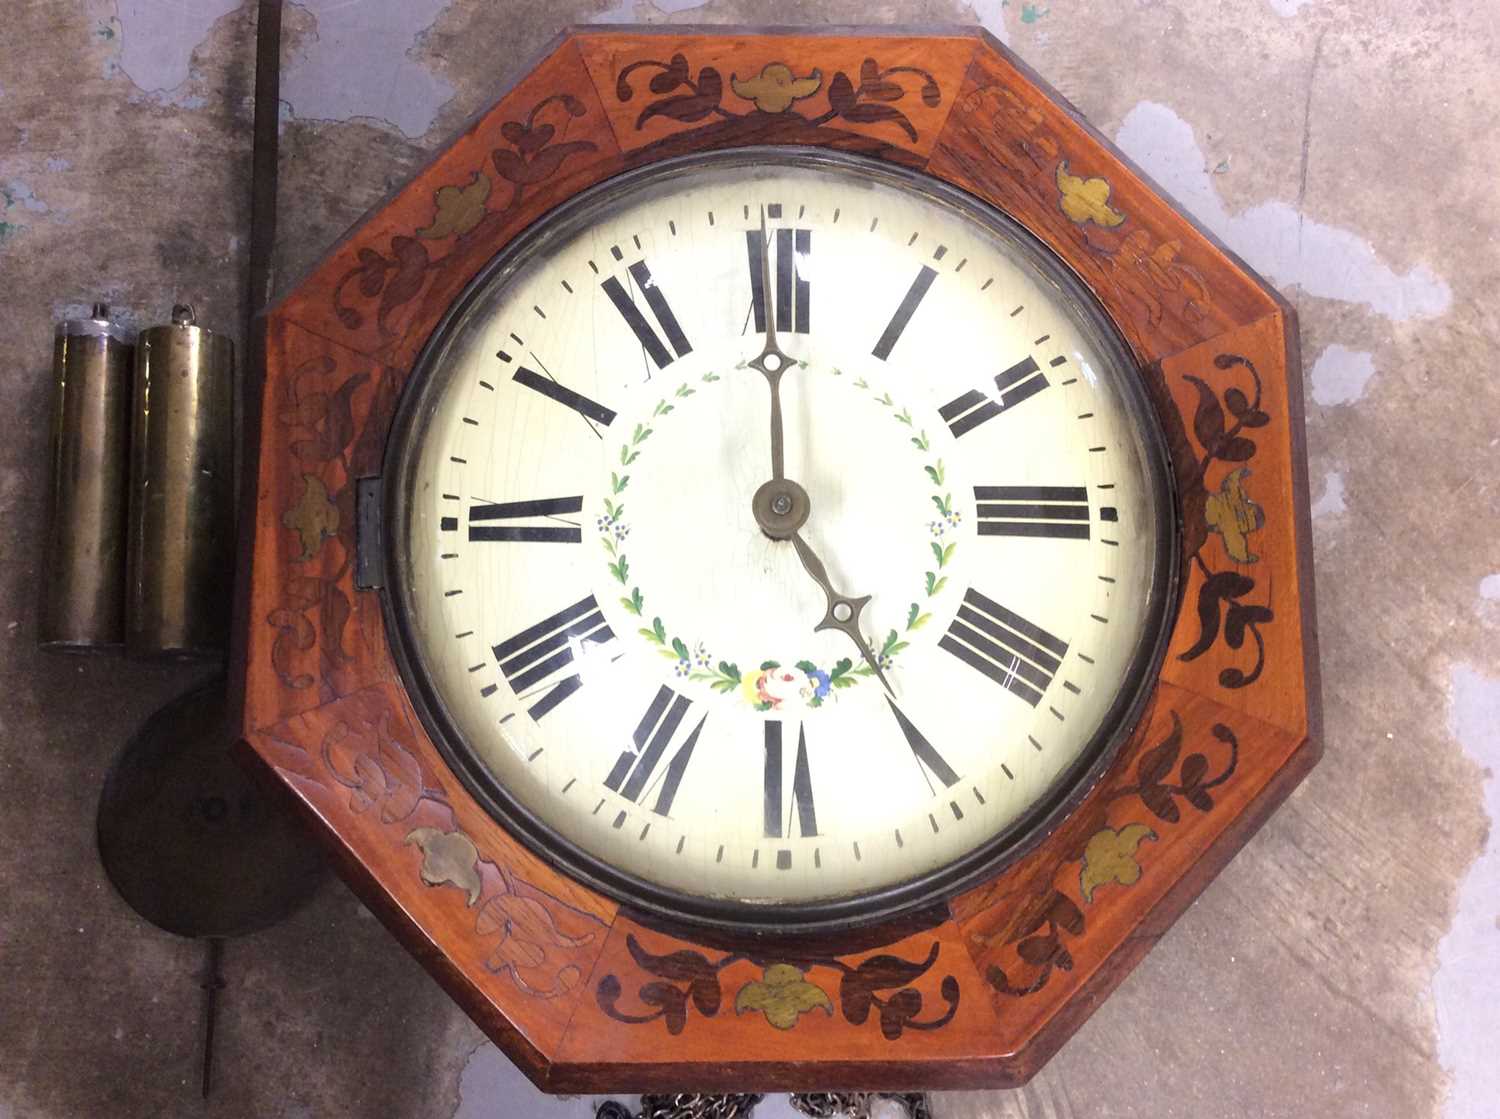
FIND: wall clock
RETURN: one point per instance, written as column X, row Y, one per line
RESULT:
column 780, row 562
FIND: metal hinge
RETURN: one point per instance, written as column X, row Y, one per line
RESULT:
column 369, row 533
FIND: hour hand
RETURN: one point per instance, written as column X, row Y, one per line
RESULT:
column 842, row 612
column 771, row 361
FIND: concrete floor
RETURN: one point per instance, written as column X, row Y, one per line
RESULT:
column 1346, row 964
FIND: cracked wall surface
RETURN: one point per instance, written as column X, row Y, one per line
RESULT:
column 1347, row 963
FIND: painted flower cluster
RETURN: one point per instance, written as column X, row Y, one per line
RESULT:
column 773, row 685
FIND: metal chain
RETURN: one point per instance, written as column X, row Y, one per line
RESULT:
column 815, row 1105
column 684, row 1105
column 856, row 1105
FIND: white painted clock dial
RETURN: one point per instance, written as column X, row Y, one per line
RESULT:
column 629, row 662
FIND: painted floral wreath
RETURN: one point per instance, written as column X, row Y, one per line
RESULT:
column 772, row 685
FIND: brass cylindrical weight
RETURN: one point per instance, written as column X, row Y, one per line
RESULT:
column 83, row 596
column 181, row 555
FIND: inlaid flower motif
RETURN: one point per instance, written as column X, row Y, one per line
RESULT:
column 783, row 995
column 459, row 208
column 776, row 87
column 1110, row 857
column 1086, row 200
column 314, row 518
column 448, row 859
column 528, row 936
column 1232, row 514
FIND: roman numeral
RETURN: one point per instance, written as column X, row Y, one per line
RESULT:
column 904, row 312
column 923, row 750
column 588, row 409
column 643, row 330
column 568, row 533
column 1020, row 382
column 546, row 649
column 793, row 292
column 1059, row 512
column 631, row 775
column 802, row 795
column 1017, row 655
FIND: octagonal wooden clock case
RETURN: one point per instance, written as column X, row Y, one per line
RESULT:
column 780, row 562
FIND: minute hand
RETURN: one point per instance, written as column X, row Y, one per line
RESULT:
column 842, row 613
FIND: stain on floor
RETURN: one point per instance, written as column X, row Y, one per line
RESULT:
column 1343, row 965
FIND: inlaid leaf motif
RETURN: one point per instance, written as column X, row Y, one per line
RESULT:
column 899, row 1010
column 675, row 75
column 857, row 990
column 404, row 782
column 528, row 936
column 1211, row 595
column 527, row 138
column 302, row 592
column 1153, row 774
column 874, row 114
column 337, row 428
column 1208, row 419
column 670, row 1001
column 410, row 277
column 670, row 76
column 683, row 966
column 689, row 106
column 372, row 270
column 1194, row 767
column 517, row 169
column 1238, row 618
column 305, row 411
column 294, row 634
column 841, row 94
column 333, row 615
column 1158, row 761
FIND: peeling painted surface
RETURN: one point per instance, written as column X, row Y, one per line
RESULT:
column 1340, row 375
column 990, row 14
column 20, row 195
column 1275, row 238
column 1467, row 984
column 156, row 40
column 363, row 60
column 1329, row 502
column 488, row 1077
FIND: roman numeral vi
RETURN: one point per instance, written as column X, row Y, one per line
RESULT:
column 802, row 794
